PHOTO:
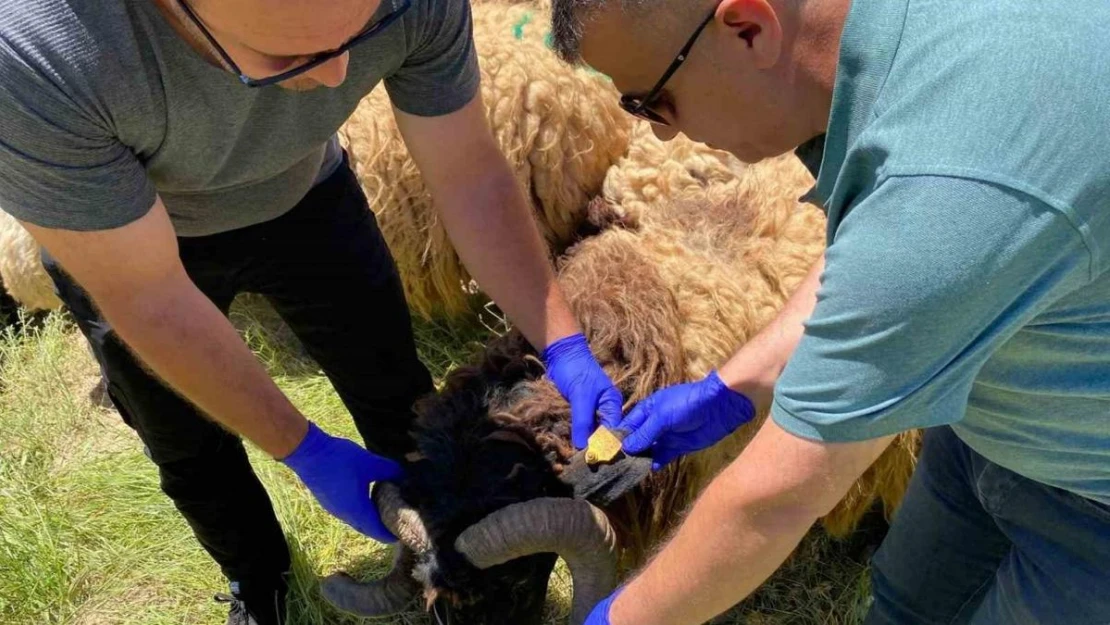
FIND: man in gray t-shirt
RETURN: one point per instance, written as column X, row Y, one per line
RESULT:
column 168, row 154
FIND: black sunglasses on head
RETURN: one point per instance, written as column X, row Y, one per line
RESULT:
column 313, row 61
column 641, row 106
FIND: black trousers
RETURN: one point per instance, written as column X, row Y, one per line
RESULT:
column 326, row 269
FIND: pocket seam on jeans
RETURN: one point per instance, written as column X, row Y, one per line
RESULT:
column 995, row 486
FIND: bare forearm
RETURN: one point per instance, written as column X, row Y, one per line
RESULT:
column 742, row 528
column 190, row 345
column 744, row 525
column 754, row 369
column 491, row 226
column 488, row 219
column 723, row 551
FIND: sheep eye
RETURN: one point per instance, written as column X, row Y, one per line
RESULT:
column 517, row 468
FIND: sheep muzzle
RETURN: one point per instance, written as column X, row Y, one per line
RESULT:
column 604, row 484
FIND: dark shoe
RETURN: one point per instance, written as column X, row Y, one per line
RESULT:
column 253, row 605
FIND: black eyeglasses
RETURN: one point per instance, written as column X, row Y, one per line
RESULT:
column 314, row 61
column 641, row 107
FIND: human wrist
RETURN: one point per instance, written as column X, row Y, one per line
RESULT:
column 735, row 403
column 564, row 346
column 627, row 607
column 560, row 322
column 305, row 444
column 754, row 382
column 723, row 389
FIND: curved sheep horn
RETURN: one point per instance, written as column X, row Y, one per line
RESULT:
column 401, row 518
column 396, row 590
column 388, row 595
column 574, row 529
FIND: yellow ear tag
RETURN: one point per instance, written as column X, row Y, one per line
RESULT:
column 603, row 446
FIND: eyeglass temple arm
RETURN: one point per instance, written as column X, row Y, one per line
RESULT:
column 679, row 59
column 209, row 38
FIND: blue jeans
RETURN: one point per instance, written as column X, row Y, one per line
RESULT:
column 976, row 543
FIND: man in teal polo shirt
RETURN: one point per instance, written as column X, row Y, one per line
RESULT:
column 961, row 156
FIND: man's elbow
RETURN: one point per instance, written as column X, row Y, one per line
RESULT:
column 800, row 480
column 804, row 503
column 840, row 469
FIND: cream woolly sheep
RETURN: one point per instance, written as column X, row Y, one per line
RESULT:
column 654, row 171
column 21, row 270
column 560, row 128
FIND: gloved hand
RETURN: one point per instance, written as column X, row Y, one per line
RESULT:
column 574, row 370
column 685, row 418
column 338, row 472
column 600, row 614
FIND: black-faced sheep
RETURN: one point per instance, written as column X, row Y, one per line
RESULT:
column 663, row 296
column 473, row 459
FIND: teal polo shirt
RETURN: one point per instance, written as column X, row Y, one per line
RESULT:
column 965, row 173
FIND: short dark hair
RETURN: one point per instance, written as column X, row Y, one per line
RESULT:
column 566, row 27
column 568, row 18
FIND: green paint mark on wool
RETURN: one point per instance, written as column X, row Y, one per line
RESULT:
column 518, row 28
column 548, row 40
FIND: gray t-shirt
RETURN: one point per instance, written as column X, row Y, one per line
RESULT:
column 103, row 106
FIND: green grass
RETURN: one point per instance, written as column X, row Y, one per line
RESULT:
column 87, row 537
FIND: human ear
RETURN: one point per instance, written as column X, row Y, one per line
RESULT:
column 755, row 24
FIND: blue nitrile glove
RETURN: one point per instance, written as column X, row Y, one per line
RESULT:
column 338, row 472
column 574, row 370
column 685, row 418
column 600, row 614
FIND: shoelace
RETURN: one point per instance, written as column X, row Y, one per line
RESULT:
column 237, row 608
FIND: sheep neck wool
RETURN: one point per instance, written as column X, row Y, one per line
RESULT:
column 103, row 106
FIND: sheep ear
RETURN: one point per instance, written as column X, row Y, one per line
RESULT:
column 603, row 484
